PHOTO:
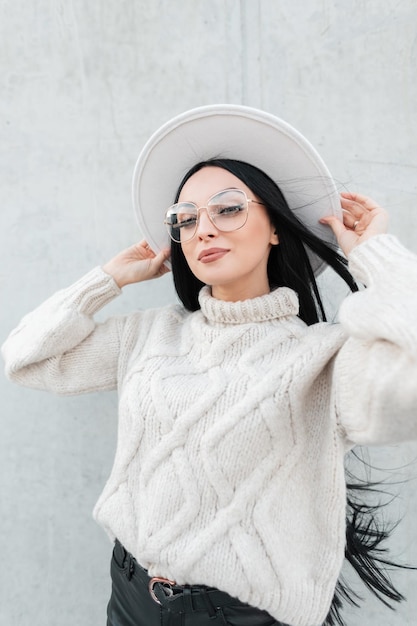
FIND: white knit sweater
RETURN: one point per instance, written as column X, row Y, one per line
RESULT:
column 234, row 421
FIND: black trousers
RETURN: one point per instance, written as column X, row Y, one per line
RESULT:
column 131, row 603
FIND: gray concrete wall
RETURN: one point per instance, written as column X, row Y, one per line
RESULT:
column 82, row 86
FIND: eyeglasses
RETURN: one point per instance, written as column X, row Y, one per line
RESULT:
column 227, row 210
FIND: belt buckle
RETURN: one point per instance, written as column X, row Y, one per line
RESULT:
column 167, row 584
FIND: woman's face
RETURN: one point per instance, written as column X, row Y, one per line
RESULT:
column 233, row 263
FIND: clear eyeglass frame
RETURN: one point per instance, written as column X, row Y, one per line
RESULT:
column 218, row 211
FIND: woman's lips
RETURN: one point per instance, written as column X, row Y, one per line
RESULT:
column 212, row 254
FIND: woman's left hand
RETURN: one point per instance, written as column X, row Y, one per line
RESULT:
column 362, row 219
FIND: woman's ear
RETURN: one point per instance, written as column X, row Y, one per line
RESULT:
column 274, row 241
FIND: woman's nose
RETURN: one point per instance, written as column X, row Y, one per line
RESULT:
column 205, row 227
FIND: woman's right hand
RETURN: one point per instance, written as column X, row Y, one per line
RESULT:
column 136, row 264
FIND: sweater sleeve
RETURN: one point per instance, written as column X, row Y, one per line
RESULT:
column 375, row 371
column 59, row 347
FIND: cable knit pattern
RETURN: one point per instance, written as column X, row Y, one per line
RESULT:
column 234, row 421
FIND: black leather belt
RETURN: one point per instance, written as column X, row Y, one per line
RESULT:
column 176, row 598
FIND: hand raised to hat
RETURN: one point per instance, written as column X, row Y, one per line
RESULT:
column 363, row 218
column 137, row 264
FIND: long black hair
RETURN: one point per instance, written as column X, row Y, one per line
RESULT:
column 289, row 265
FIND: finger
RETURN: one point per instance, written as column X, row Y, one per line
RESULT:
column 335, row 224
column 159, row 260
column 365, row 202
column 144, row 244
column 144, row 247
column 351, row 220
column 166, row 253
column 352, row 208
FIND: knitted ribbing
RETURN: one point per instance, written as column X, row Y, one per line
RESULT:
column 233, row 423
column 280, row 303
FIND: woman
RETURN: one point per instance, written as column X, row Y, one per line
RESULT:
column 227, row 496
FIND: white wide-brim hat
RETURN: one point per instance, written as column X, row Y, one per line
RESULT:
column 234, row 132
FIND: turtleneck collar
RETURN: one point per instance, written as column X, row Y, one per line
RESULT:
column 281, row 302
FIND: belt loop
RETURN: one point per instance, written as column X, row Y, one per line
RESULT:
column 211, row 610
column 125, row 559
column 188, row 602
column 130, row 567
column 120, row 553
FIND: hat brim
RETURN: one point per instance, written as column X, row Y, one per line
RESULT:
column 233, row 132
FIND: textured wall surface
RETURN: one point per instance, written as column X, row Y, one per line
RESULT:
column 83, row 84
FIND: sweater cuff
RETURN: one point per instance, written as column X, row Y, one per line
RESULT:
column 91, row 292
column 376, row 259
